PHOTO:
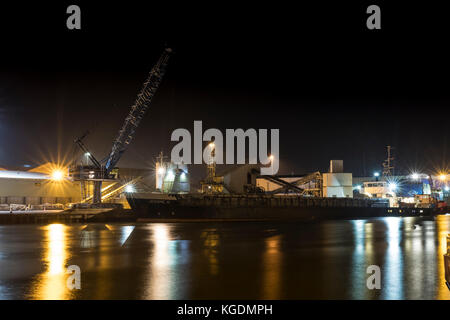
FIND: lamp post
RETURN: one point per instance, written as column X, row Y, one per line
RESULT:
column 271, row 161
column 87, row 155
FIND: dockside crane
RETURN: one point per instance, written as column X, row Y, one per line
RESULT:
column 99, row 172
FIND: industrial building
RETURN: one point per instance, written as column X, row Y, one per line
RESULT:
column 47, row 187
column 334, row 184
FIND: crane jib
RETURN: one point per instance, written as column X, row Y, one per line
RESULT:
column 137, row 110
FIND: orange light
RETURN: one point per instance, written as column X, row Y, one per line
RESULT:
column 57, row 175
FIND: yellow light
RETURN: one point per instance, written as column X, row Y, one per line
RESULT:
column 57, row 175
column 212, row 145
column 271, row 157
column 442, row 177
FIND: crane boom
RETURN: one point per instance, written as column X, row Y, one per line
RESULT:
column 137, row 111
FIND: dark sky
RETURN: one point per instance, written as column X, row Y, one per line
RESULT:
column 334, row 89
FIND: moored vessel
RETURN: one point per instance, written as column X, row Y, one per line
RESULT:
column 248, row 207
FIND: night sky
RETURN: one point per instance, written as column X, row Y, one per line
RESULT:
column 334, row 89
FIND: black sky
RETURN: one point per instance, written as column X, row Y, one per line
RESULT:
column 334, row 89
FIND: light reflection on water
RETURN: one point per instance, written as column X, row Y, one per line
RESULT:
column 272, row 268
column 51, row 285
column 393, row 267
column 325, row 260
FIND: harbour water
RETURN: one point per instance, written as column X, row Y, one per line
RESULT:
column 228, row 260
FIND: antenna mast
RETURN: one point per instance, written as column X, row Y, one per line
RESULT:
column 388, row 164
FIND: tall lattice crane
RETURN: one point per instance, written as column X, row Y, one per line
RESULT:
column 98, row 172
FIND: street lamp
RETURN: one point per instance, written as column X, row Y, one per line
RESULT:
column 272, row 158
column 376, row 175
column 87, row 155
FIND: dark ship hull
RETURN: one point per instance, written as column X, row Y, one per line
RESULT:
column 192, row 207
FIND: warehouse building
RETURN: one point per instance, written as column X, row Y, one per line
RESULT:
column 47, row 186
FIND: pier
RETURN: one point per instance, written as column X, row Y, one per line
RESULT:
column 66, row 216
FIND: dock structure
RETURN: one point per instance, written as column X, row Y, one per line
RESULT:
column 66, row 216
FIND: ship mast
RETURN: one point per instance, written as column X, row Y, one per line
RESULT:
column 388, row 164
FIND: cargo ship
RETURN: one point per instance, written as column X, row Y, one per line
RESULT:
column 243, row 194
column 245, row 207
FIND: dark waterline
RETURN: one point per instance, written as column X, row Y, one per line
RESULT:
column 326, row 260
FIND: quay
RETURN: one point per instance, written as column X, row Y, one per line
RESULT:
column 66, row 216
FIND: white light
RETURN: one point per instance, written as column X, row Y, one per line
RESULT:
column 129, row 188
column 415, row 176
column 87, row 154
column 161, row 170
column 376, row 174
column 393, row 186
column 170, row 175
column 446, row 188
column 358, row 187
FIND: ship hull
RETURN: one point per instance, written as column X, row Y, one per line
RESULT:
column 260, row 209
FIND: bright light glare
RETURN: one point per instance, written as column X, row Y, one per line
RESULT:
column 129, row 188
column 170, row 175
column 57, row 175
column 161, row 170
column 393, row 186
column 358, row 187
column 446, row 188
column 442, row 177
column 271, row 157
column 212, row 145
column 376, row 174
column 415, row 176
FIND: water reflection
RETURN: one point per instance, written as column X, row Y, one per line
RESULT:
column 409, row 252
column 392, row 272
column 272, row 268
column 323, row 260
column 160, row 284
column 359, row 259
column 211, row 247
column 125, row 233
column 443, row 228
column 51, row 285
